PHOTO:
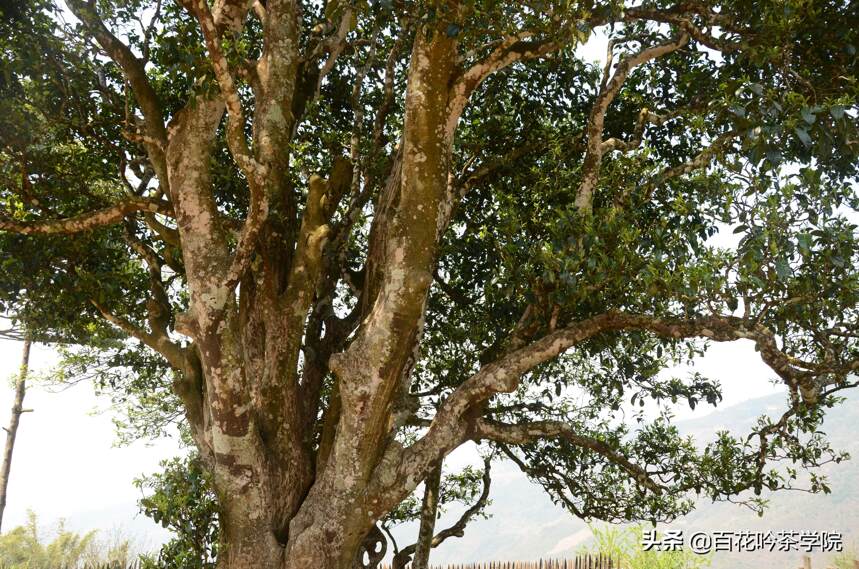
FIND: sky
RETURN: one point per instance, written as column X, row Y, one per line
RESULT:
column 65, row 463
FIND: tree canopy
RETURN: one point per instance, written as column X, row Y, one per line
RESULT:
column 344, row 238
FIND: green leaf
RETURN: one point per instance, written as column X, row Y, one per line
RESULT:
column 738, row 110
column 783, row 270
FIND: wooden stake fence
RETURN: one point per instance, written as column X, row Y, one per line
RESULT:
column 581, row 562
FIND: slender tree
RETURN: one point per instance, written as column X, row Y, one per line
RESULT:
column 362, row 234
column 14, row 420
column 429, row 512
column 463, row 487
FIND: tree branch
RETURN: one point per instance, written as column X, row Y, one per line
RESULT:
column 254, row 172
column 457, row 529
column 135, row 71
column 680, row 17
column 645, row 117
column 229, row 15
column 608, row 91
column 700, row 160
column 454, row 422
column 173, row 353
column 525, row 433
column 335, row 44
column 88, row 221
column 514, row 48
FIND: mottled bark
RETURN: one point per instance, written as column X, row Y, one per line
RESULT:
column 87, row 221
column 12, row 429
column 338, row 512
column 610, row 87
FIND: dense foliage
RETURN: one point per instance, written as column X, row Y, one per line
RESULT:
column 180, row 498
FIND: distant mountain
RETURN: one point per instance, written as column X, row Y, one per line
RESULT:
column 835, row 512
column 526, row 525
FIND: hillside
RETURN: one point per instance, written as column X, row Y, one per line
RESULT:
column 526, row 525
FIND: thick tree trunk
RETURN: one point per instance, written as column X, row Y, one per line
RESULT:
column 282, row 505
column 12, row 430
column 251, row 545
column 341, row 508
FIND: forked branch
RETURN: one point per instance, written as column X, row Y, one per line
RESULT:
column 457, row 529
column 458, row 419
